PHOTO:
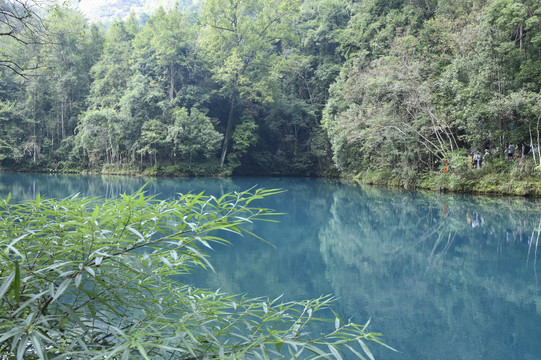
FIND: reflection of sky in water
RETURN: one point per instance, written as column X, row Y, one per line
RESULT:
column 441, row 276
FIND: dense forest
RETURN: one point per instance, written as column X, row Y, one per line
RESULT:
column 275, row 87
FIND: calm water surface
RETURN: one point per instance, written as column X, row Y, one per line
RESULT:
column 441, row 276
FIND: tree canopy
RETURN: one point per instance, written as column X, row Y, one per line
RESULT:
column 318, row 87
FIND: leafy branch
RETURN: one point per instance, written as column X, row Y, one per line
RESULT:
column 87, row 279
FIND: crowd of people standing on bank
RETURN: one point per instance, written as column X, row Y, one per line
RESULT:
column 511, row 151
column 517, row 151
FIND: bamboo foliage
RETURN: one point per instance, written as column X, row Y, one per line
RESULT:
column 85, row 278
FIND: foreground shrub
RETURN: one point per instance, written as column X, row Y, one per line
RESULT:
column 84, row 278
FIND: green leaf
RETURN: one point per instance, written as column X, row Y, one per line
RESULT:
column 14, row 332
column 95, row 214
column 62, row 288
column 358, row 354
column 17, row 282
column 137, row 233
column 366, row 349
column 78, row 279
column 37, row 346
column 6, row 285
column 335, row 352
column 22, row 343
column 142, row 350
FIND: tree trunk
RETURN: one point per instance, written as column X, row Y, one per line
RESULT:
column 62, row 119
column 171, row 81
column 228, row 129
column 531, row 141
column 538, row 142
column 34, row 97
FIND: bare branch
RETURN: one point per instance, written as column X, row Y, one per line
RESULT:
column 22, row 22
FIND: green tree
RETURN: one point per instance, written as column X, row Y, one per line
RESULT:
column 243, row 39
column 113, row 71
column 6, row 151
column 69, row 68
column 99, row 135
column 141, row 101
column 11, row 126
column 244, row 136
column 168, row 40
column 193, row 135
column 153, row 139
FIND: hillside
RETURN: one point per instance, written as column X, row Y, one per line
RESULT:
column 107, row 10
column 399, row 92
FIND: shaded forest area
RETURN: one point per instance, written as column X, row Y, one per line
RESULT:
column 378, row 89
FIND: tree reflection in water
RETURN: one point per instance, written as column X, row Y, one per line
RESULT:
column 441, row 282
column 441, row 276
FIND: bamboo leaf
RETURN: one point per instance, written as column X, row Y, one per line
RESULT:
column 134, row 293
column 21, row 347
column 17, row 282
column 37, row 346
column 6, row 285
column 78, row 279
column 95, row 214
column 13, row 332
column 166, row 262
column 335, row 352
column 358, row 354
column 28, row 302
column 62, row 288
column 136, row 233
column 142, row 350
column 366, row 349
column 91, row 271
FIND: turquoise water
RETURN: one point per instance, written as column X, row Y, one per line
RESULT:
column 441, row 276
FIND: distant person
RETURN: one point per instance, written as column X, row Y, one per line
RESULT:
column 486, row 156
column 477, row 160
column 510, row 151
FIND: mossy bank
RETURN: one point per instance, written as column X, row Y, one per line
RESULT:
column 497, row 177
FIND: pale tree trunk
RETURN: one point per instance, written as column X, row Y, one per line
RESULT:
column 62, row 119
column 228, row 129
column 171, row 81
column 34, row 113
column 531, row 142
column 538, row 142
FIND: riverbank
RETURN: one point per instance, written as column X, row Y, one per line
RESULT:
column 496, row 177
column 499, row 177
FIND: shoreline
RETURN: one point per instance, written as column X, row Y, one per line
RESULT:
column 473, row 182
column 505, row 182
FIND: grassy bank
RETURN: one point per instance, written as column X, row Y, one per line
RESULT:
column 497, row 177
column 203, row 169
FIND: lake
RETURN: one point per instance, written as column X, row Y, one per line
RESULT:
column 441, row 276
